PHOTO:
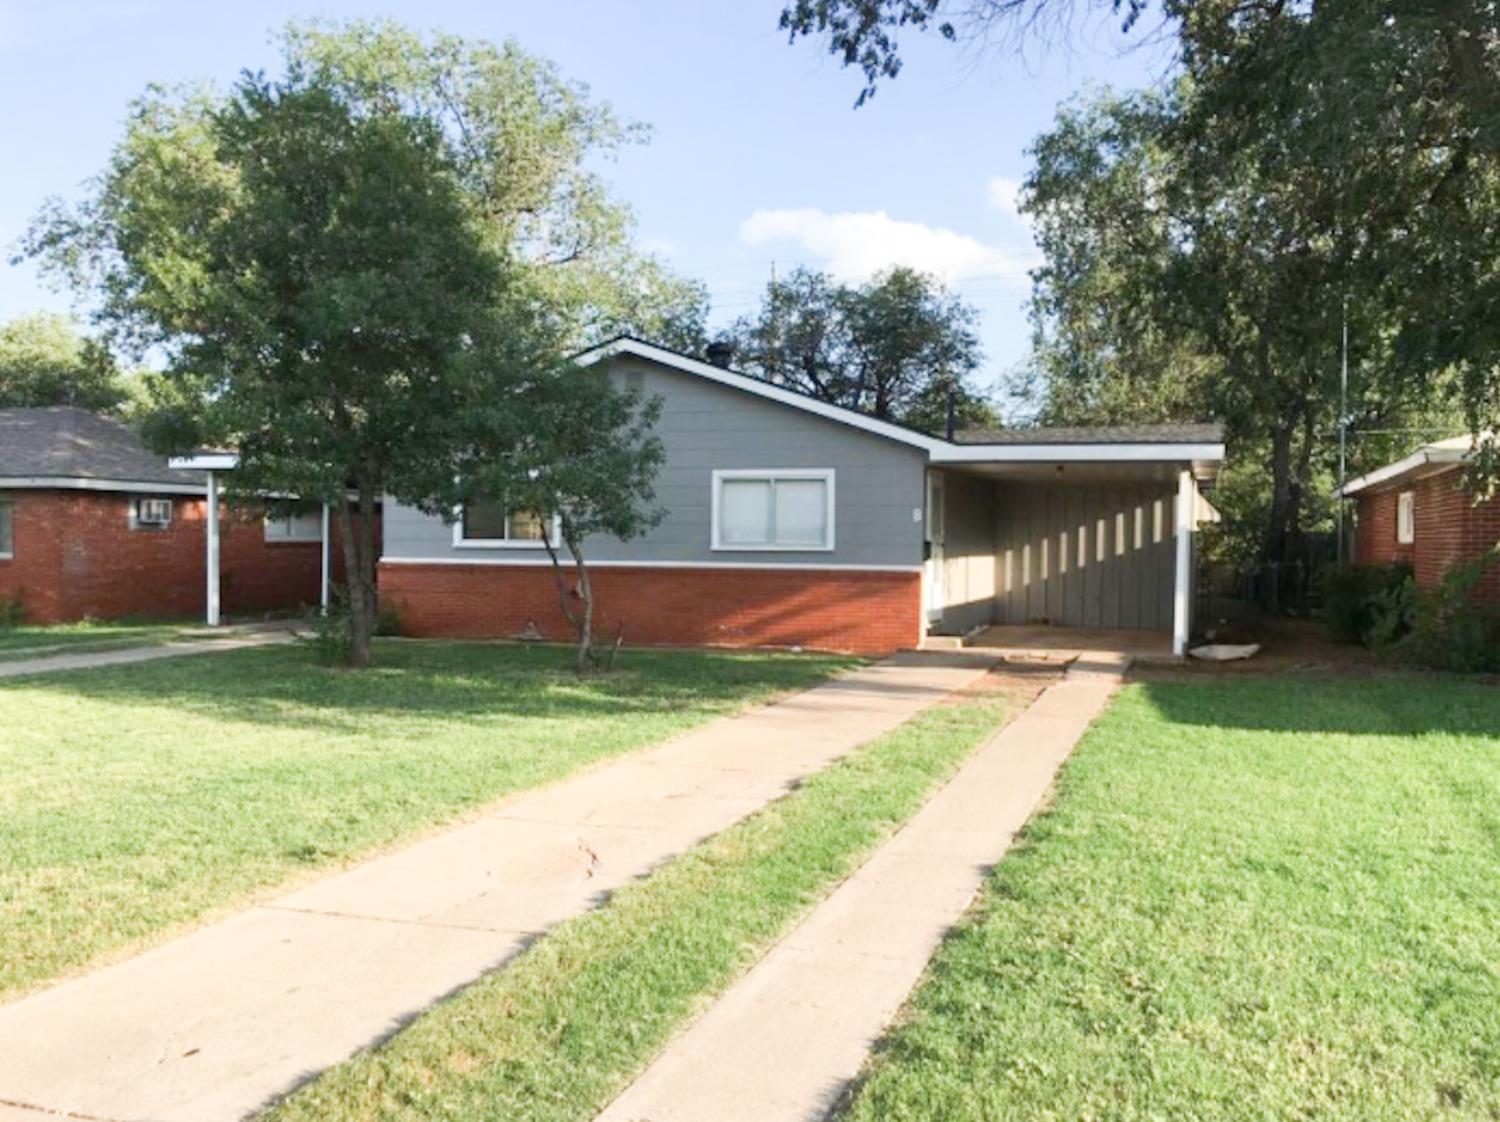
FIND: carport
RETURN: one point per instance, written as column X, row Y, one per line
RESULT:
column 1068, row 528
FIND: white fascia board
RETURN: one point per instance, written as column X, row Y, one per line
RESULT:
column 73, row 483
column 761, row 389
column 1077, row 453
column 1415, row 462
column 205, row 461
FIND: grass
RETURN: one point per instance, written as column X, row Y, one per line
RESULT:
column 1266, row 899
column 557, row 1033
column 35, row 641
column 140, row 798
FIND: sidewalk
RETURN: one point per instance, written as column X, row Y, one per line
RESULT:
column 787, row 1039
column 215, row 1024
column 238, row 639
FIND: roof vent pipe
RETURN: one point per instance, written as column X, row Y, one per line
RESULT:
column 719, row 353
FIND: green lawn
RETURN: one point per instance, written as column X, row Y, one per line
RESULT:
column 1259, row 899
column 35, row 641
column 137, row 798
column 559, row 1031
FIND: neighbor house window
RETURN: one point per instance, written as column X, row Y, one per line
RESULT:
column 482, row 522
column 150, row 514
column 301, row 522
column 771, row 509
column 7, row 529
column 1406, row 518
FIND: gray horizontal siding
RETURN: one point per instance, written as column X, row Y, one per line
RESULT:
column 704, row 427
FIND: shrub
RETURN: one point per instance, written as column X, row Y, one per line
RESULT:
column 1357, row 597
column 12, row 612
column 387, row 620
column 1448, row 630
column 329, row 638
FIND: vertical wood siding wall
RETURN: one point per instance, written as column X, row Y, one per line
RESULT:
column 1084, row 555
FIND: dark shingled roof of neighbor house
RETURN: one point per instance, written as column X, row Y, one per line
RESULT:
column 1097, row 434
column 68, row 443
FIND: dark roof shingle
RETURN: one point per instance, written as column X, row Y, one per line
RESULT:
column 1212, row 433
column 68, row 443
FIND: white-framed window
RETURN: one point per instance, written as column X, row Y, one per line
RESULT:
column 1406, row 517
column 302, row 522
column 773, row 509
column 150, row 514
column 485, row 524
column 7, row 529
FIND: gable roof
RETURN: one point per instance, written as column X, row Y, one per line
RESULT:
column 64, row 446
column 1201, row 444
column 1440, row 455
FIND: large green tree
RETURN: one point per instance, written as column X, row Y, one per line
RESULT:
column 896, row 347
column 351, row 266
column 45, row 360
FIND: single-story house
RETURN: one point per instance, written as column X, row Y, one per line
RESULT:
column 93, row 525
column 793, row 522
column 1415, row 511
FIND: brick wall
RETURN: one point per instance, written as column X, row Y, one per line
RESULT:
column 869, row 613
column 1375, row 532
column 76, row 556
column 1449, row 530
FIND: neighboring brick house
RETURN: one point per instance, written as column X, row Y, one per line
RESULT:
column 92, row 525
column 1415, row 511
column 793, row 522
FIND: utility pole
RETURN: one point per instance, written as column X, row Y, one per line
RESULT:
column 1343, row 425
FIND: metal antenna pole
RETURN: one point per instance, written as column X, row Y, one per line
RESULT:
column 1343, row 424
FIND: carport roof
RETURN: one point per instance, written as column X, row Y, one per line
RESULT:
column 1097, row 434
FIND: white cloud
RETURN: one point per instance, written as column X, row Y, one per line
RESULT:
column 1004, row 195
column 856, row 244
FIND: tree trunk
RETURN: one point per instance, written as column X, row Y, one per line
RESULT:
column 586, row 616
column 357, row 529
column 1281, row 490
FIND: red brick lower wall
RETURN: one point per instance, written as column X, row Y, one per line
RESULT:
column 77, row 557
column 869, row 613
column 1450, row 529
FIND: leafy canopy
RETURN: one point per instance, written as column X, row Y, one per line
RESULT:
column 894, row 347
column 44, row 360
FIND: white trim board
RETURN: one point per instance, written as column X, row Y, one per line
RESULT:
column 77, row 483
column 768, row 566
column 938, row 450
column 1443, row 458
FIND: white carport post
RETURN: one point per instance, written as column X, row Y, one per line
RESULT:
column 327, row 579
column 209, row 463
column 211, row 531
column 1182, row 586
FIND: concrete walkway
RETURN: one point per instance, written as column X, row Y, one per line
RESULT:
column 84, row 660
column 212, row 1025
column 784, row 1042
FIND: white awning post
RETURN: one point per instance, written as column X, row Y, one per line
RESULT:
column 327, row 561
column 211, row 614
column 1182, row 588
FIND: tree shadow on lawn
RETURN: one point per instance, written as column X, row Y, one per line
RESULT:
column 437, row 684
column 1396, row 705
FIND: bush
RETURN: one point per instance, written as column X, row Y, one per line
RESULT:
column 387, row 620
column 1358, row 598
column 1448, row 630
column 12, row 612
column 329, row 638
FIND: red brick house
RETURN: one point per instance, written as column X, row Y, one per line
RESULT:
column 93, row 525
column 1416, row 512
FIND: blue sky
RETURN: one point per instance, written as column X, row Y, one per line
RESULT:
column 756, row 154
